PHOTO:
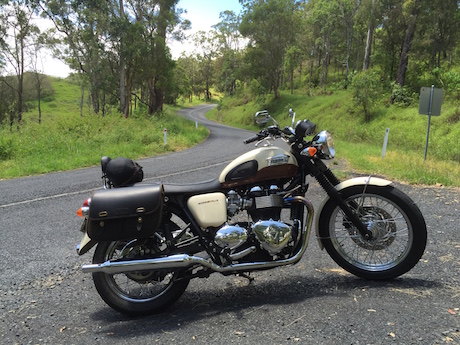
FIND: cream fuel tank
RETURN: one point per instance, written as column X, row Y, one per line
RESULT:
column 259, row 165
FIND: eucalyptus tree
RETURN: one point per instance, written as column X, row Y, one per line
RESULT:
column 348, row 9
column 188, row 65
column 84, row 26
column 411, row 11
column 158, row 21
column 17, row 38
column 207, row 50
column 118, row 43
column 3, row 24
column 326, row 26
column 440, row 32
column 271, row 27
column 292, row 61
column 229, row 59
column 370, row 14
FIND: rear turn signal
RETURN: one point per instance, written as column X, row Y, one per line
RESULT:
column 84, row 210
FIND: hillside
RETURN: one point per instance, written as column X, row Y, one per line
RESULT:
column 67, row 140
column 360, row 142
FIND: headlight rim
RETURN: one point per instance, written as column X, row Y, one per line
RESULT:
column 325, row 145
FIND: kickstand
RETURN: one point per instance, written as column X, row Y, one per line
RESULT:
column 247, row 276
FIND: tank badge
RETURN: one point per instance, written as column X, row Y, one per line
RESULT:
column 278, row 160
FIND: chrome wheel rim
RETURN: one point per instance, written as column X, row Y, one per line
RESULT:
column 140, row 286
column 392, row 234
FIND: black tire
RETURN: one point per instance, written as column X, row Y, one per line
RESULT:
column 399, row 229
column 137, row 293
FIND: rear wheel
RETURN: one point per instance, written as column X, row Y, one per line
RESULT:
column 398, row 232
column 135, row 293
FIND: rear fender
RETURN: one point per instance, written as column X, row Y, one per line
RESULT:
column 85, row 245
column 357, row 181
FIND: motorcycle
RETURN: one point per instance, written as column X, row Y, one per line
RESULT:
column 153, row 238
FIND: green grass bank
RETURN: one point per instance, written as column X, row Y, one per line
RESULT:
column 66, row 140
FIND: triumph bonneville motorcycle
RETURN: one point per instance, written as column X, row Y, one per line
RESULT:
column 153, row 238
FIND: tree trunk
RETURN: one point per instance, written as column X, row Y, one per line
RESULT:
column 95, row 99
column 127, row 92
column 367, row 52
column 39, row 104
column 21, row 83
column 82, row 98
column 311, row 68
column 404, row 58
column 370, row 35
column 152, row 97
column 155, row 96
column 122, row 71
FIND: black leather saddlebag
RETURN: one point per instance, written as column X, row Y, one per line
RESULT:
column 125, row 213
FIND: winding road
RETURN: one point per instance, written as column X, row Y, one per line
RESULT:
column 46, row 299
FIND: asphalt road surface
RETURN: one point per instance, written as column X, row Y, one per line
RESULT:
column 46, row 299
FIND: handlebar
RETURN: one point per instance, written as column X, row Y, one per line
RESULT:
column 252, row 139
column 273, row 131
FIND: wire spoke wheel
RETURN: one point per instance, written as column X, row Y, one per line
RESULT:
column 139, row 286
column 138, row 292
column 392, row 234
column 396, row 224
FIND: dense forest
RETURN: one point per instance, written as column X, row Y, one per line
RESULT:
column 120, row 57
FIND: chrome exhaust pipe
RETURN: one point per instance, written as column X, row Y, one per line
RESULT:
column 186, row 261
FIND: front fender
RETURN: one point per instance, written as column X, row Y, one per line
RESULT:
column 357, row 181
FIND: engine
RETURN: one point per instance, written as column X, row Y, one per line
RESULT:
column 264, row 228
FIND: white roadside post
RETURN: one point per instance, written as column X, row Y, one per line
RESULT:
column 385, row 142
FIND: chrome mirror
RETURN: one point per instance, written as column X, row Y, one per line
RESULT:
column 292, row 114
column 262, row 117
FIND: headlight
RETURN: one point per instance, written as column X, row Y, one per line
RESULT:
column 325, row 145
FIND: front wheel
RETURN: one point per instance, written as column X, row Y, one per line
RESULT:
column 398, row 232
column 135, row 293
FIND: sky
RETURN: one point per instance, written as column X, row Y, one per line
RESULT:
column 202, row 13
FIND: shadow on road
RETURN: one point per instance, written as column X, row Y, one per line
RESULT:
column 239, row 299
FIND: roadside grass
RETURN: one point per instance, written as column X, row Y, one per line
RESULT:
column 360, row 143
column 403, row 166
column 65, row 140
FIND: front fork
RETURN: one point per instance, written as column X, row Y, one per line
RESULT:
column 328, row 181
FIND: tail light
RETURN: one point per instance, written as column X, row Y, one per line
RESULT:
column 84, row 210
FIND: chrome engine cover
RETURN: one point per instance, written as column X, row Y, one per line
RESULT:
column 272, row 235
column 231, row 236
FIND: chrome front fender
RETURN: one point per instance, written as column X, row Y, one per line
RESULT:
column 357, row 181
